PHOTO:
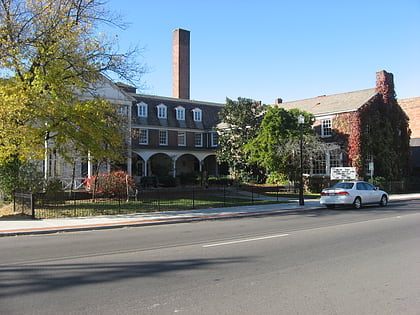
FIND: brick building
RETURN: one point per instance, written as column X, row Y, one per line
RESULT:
column 366, row 129
column 173, row 136
column 165, row 136
column 412, row 108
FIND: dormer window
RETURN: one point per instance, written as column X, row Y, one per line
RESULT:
column 142, row 109
column 197, row 114
column 162, row 111
column 180, row 113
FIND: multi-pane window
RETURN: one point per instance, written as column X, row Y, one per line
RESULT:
column 335, row 158
column 123, row 111
column 143, row 136
column 162, row 111
column 369, row 164
column 163, row 137
column 182, row 138
column 197, row 114
column 142, row 109
column 326, row 128
column 213, row 139
column 319, row 164
column 180, row 113
column 198, row 139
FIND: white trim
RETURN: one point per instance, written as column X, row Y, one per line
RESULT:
column 197, row 114
column 166, row 137
column 195, row 138
column 147, row 136
column 144, row 106
column 180, row 113
column 185, row 139
column 162, row 111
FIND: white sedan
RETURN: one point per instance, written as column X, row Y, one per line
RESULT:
column 356, row 193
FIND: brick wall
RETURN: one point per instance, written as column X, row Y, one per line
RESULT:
column 411, row 106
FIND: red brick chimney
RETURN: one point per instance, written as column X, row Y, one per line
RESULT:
column 385, row 85
column 181, row 64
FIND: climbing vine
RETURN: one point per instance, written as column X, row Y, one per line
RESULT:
column 378, row 130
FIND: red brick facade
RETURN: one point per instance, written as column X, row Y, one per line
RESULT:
column 411, row 106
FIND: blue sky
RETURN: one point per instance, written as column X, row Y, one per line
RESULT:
column 268, row 49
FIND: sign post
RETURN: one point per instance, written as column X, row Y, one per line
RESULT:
column 343, row 173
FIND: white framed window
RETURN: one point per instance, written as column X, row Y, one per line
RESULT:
column 336, row 158
column 142, row 109
column 143, row 136
column 163, row 137
column 180, row 113
column 162, row 111
column 319, row 164
column 198, row 139
column 197, row 114
column 182, row 138
column 214, row 139
column 326, row 127
column 123, row 110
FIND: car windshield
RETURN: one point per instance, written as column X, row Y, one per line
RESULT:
column 343, row 185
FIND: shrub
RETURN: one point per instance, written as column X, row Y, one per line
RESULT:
column 188, row 178
column 277, row 178
column 115, row 184
column 222, row 181
column 16, row 175
column 167, row 181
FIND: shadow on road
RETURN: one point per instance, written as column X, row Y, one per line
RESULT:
column 19, row 280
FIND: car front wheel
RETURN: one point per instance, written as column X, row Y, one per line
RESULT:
column 384, row 201
column 357, row 203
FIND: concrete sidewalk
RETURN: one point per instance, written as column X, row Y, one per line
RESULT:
column 11, row 227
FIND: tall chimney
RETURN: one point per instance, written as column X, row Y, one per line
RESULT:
column 385, row 85
column 181, row 64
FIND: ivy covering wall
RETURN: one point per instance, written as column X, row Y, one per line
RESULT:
column 378, row 130
column 386, row 137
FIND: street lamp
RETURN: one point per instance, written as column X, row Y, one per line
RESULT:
column 301, row 121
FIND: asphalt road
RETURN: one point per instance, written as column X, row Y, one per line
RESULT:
column 316, row 262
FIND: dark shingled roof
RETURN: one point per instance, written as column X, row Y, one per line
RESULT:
column 210, row 112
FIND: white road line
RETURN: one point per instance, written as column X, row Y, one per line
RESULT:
column 245, row 240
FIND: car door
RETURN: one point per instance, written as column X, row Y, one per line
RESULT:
column 363, row 192
column 374, row 194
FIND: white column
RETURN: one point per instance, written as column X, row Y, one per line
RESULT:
column 89, row 165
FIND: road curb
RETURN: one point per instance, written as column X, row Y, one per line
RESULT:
column 169, row 220
column 137, row 223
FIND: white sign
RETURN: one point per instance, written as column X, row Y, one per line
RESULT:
column 343, row 173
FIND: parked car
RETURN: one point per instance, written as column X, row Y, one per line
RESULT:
column 354, row 193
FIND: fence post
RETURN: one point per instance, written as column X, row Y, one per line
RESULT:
column 193, row 197
column 33, row 207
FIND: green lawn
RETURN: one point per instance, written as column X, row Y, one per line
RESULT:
column 109, row 207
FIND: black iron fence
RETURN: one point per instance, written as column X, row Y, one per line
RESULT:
column 82, row 203
column 24, row 203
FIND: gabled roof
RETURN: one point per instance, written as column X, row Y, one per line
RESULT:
column 332, row 104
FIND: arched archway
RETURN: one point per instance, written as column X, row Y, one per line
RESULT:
column 138, row 168
column 187, row 164
column 210, row 166
column 160, row 165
